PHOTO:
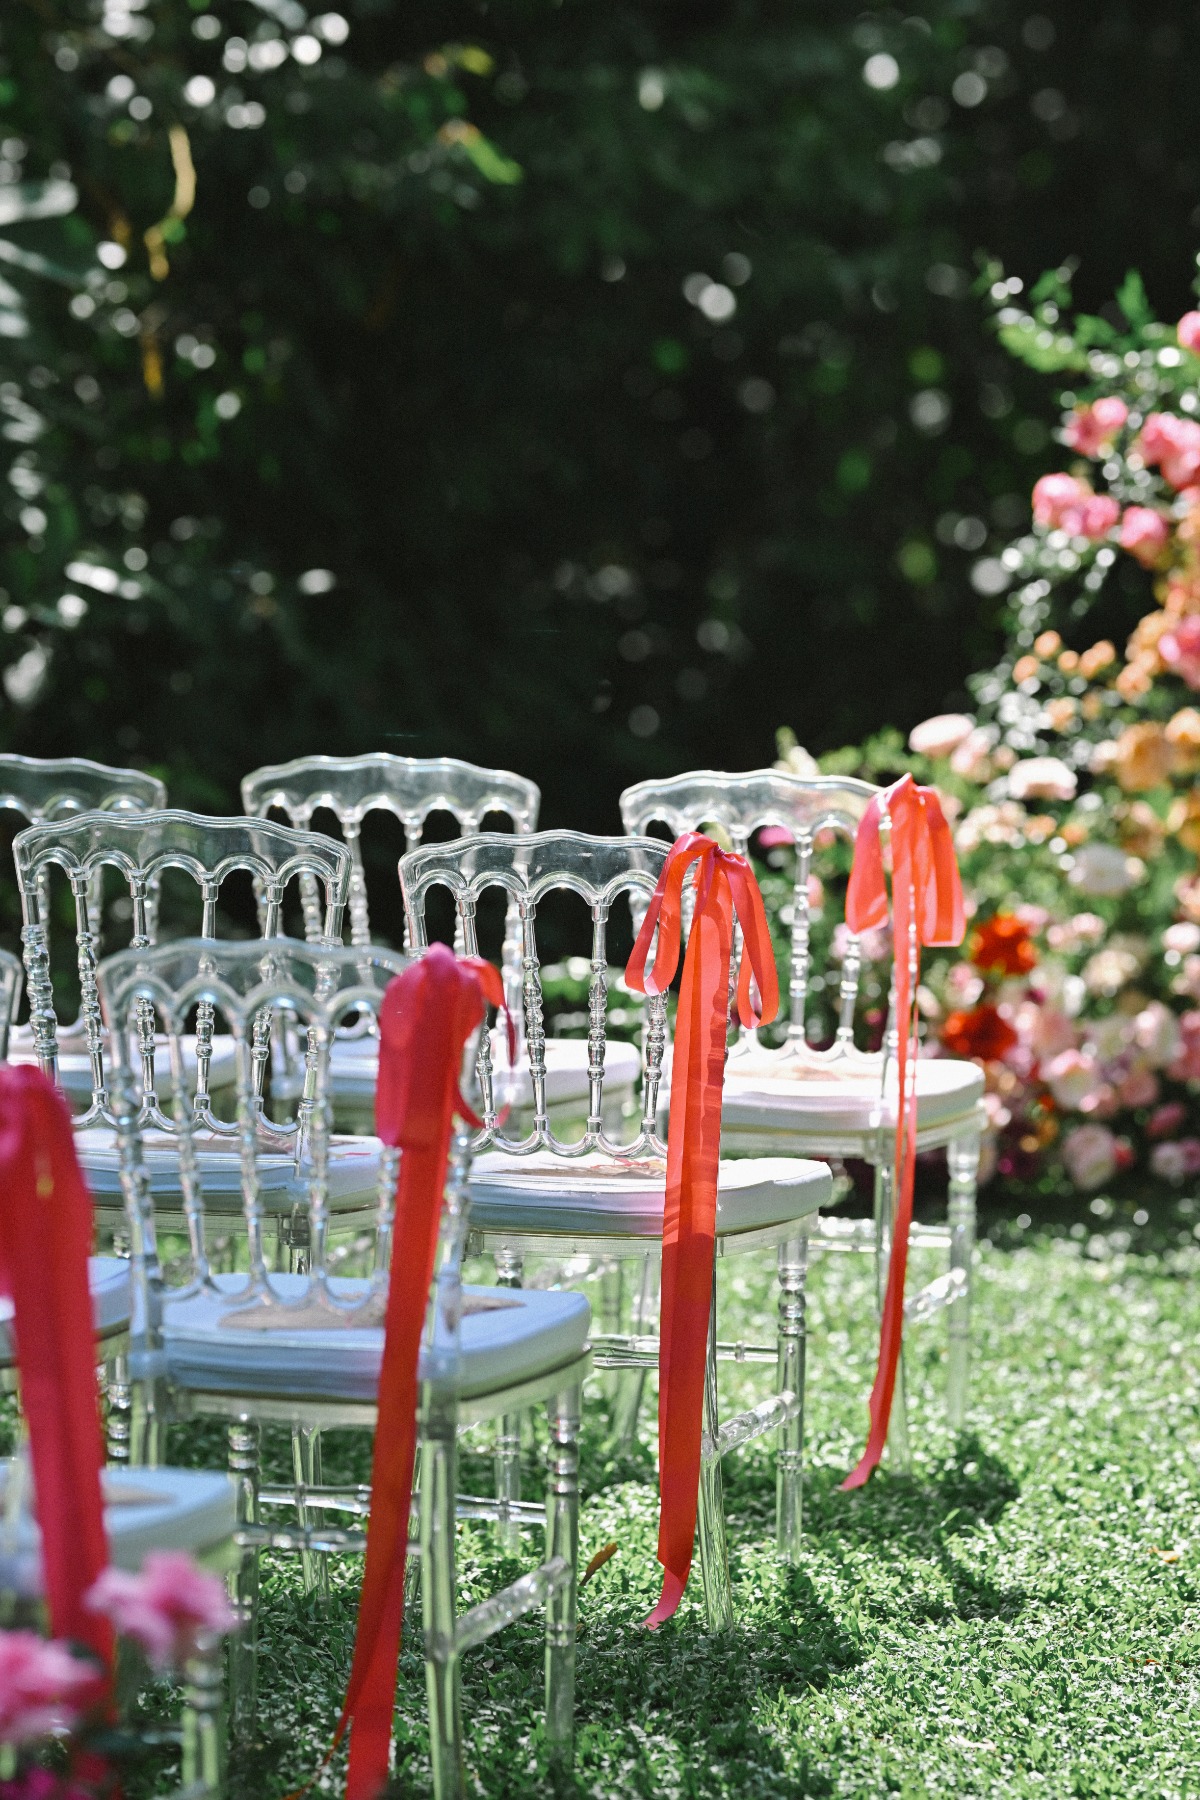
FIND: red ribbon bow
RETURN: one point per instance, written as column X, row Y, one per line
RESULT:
column 428, row 1014
column 45, row 1237
column 725, row 889
column 927, row 908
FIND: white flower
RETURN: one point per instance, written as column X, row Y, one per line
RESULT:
column 1156, row 1031
column 1042, row 778
column 1182, row 937
column 1103, row 870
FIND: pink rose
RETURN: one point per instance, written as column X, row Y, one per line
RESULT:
column 1092, row 429
column 1139, row 1087
column 1166, row 1119
column 166, row 1608
column 1188, row 331
column 43, row 1688
column 972, row 759
column 1094, row 516
column 1174, row 444
column 939, row 736
column 1052, row 494
column 1156, row 1034
column 1144, row 533
column 1090, row 1155
column 775, row 837
column 1179, row 649
column 1186, row 1066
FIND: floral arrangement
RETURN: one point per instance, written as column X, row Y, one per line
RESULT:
column 1073, row 786
column 170, row 1612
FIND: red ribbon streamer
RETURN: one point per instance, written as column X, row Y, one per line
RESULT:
column 45, row 1237
column 428, row 1014
column 725, row 889
column 927, row 908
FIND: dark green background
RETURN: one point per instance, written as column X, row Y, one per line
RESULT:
column 446, row 403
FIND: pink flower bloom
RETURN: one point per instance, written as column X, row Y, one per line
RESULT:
column 1093, row 428
column 1179, row 649
column 972, row 758
column 1174, row 444
column 940, row 735
column 1139, row 1087
column 1144, row 534
column 1094, row 516
column 43, row 1688
column 1052, row 494
column 1175, row 1161
column 166, row 1608
column 1156, row 1034
column 775, row 837
column 1075, row 1080
column 1166, row 1119
column 43, row 1784
column 1188, row 331
column 1090, row 1154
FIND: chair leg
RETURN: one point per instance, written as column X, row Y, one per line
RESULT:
column 510, row 1269
column 631, row 1383
column 243, row 1646
column 439, row 1602
column 899, row 1448
column 119, row 1420
column 962, row 1157
column 710, row 1517
column 306, row 1467
column 203, row 1734
column 562, row 1539
column 790, row 1374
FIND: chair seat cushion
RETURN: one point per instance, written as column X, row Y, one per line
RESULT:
column 797, row 1100
column 596, row 1196
column 75, row 1065
column 144, row 1509
column 354, row 1066
column 108, row 1278
column 353, row 1170
column 514, row 1335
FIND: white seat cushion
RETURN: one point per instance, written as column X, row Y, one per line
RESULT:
column 144, row 1509
column 75, row 1066
column 353, row 1170
column 598, row 1197
column 354, row 1066
column 523, row 1333
column 796, row 1100
column 108, row 1278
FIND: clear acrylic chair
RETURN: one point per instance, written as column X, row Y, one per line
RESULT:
column 141, row 847
column 305, row 1350
column 838, row 1101
column 602, row 1197
column 36, row 789
column 412, row 788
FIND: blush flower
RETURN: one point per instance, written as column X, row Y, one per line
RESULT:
column 1174, row 445
column 1176, row 1161
column 1188, row 331
column 941, row 735
column 43, row 1688
column 1091, row 429
column 1186, row 1064
column 166, row 1608
column 1042, row 778
column 1144, row 533
column 1052, row 494
column 1179, row 650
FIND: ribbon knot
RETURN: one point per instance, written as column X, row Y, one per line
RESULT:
column 725, row 890
column 927, row 908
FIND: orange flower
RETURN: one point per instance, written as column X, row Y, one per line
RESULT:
column 980, row 1034
column 1140, row 829
column 1068, row 662
column 1025, row 668
column 1183, row 735
column 1047, row 644
column 1143, row 756
column 1097, row 658
column 1060, row 713
column 1135, row 681
column 1184, row 820
column 1003, row 946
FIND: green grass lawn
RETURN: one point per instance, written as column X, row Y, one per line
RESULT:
column 1020, row 1616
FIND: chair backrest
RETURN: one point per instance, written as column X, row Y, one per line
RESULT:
column 410, row 787
column 141, row 846
column 55, row 787
column 600, row 870
column 312, row 986
column 802, row 806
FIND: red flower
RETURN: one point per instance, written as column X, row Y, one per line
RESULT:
column 981, row 1034
column 1004, row 946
